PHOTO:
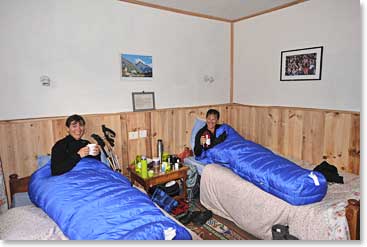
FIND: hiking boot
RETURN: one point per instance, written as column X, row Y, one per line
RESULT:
column 202, row 218
column 189, row 217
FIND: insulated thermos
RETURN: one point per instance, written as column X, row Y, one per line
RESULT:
column 160, row 149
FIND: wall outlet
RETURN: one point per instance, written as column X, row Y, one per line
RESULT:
column 133, row 135
column 142, row 133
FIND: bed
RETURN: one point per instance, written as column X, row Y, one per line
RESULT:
column 18, row 221
column 336, row 217
column 254, row 210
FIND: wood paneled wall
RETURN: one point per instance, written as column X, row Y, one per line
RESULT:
column 311, row 135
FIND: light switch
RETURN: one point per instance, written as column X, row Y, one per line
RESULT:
column 142, row 133
column 133, row 135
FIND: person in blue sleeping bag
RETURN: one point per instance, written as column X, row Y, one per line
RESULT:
column 206, row 136
column 67, row 152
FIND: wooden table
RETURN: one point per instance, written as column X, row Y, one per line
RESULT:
column 161, row 178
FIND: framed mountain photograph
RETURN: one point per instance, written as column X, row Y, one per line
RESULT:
column 136, row 66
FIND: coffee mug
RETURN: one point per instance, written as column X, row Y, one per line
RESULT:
column 92, row 149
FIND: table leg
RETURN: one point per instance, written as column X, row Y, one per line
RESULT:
column 184, row 187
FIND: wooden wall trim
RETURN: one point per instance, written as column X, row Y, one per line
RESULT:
column 298, row 108
column 311, row 135
column 231, row 71
column 270, row 10
column 179, row 11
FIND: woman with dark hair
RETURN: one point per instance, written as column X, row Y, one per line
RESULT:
column 67, row 152
column 206, row 136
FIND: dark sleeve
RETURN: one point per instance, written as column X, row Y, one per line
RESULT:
column 97, row 157
column 61, row 160
column 198, row 149
column 220, row 138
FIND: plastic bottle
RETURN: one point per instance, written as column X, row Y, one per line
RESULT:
column 138, row 167
column 144, row 168
column 160, row 149
column 207, row 138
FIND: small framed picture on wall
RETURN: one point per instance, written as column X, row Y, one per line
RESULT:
column 143, row 101
column 301, row 64
column 135, row 66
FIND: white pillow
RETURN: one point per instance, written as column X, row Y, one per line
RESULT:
column 199, row 123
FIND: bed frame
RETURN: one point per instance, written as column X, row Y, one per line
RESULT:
column 351, row 211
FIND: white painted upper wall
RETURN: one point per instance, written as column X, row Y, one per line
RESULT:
column 333, row 24
column 78, row 45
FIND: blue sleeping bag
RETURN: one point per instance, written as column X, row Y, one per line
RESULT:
column 93, row 202
column 270, row 172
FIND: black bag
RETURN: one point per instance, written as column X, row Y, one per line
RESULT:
column 330, row 172
column 281, row 232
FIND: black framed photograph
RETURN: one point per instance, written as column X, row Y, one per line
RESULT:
column 143, row 101
column 301, row 64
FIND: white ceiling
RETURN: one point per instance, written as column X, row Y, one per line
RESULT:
column 223, row 9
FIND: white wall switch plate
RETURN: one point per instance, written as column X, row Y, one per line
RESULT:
column 133, row 135
column 142, row 133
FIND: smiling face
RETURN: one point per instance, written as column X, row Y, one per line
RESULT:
column 211, row 121
column 76, row 130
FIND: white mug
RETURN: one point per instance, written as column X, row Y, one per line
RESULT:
column 92, row 149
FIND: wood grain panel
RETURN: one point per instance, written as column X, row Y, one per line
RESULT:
column 335, row 148
column 7, row 153
column 354, row 145
column 136, row 121
column 124, row 143
column 162, row 128
column 312, row 135
column 274, row 121
column 295, row 125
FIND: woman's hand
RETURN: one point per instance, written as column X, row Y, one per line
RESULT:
column 202, row 140
column 84, row 151
column 98, row 149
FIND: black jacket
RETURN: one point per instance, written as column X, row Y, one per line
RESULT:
column 64, row 154
column 198, row 149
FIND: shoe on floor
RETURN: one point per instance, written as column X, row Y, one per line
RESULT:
column 189, row 217
column 202, row 218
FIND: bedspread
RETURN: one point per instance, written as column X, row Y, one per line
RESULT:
column 93, row 202
column 256, row 211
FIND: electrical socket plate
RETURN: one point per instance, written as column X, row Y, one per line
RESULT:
column 133, row 135
column 142, row 133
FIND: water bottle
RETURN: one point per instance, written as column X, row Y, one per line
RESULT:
column 144, row 168
column 160, row 149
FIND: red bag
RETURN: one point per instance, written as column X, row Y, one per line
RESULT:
column 182, row 207
column 184, row 154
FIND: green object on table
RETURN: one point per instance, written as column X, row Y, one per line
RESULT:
column 144, row 168
column 165, row 156
column 137, row 159
column 138, row 167
column 150, row 173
